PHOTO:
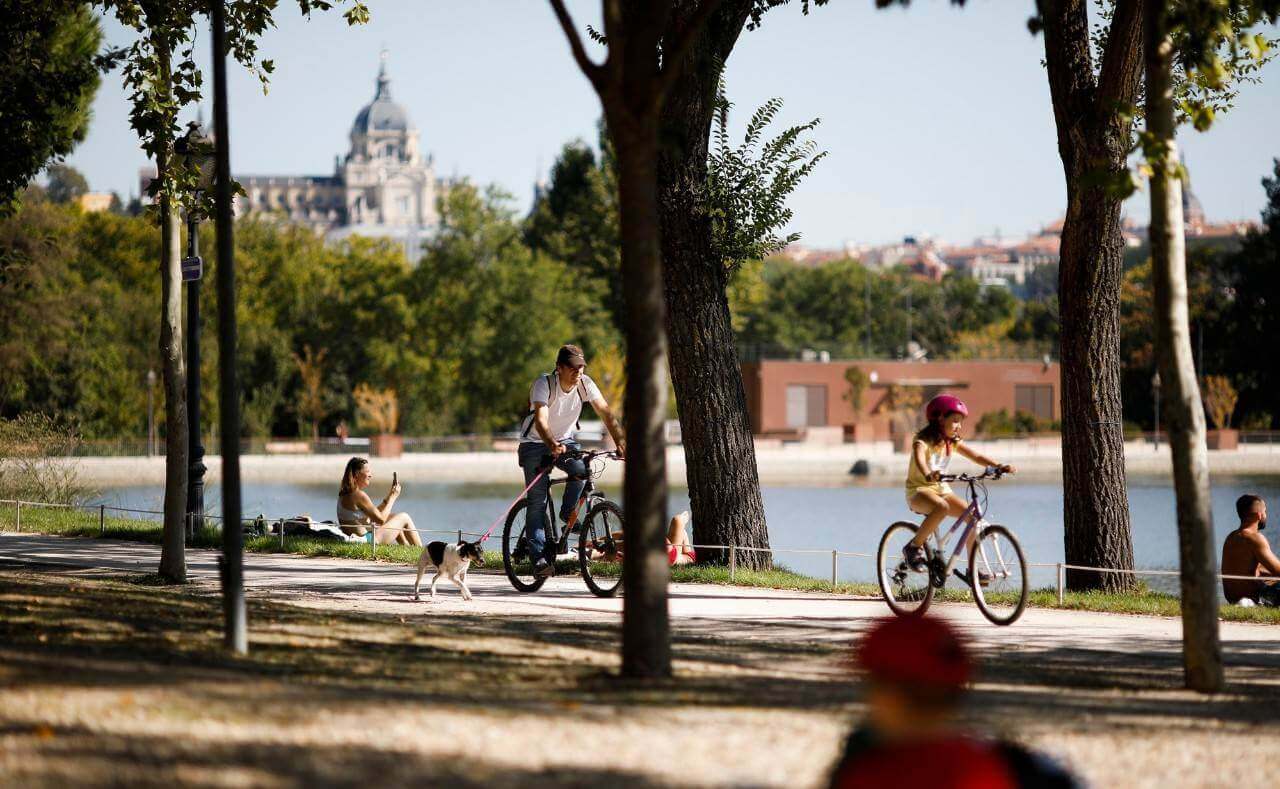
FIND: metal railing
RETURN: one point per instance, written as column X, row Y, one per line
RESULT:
column 836, row 554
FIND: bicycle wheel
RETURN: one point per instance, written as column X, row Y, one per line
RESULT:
column 600, row 547
column 908, row 592
column 997, row 553
column 516, row 559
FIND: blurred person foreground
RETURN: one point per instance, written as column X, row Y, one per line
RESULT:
column 917, row 670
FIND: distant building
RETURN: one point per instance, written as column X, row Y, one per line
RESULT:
column 94, row 202
column 383, row 187
column 809, row 399
column 1007, row 263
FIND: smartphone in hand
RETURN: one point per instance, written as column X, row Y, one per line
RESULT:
column 394, row 479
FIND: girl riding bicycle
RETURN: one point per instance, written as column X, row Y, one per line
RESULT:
column 931, row 451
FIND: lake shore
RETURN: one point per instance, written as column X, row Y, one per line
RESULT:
column 791, row 464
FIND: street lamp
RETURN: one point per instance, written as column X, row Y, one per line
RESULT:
column 1155, row 389
column 151, row 414
column 195, row 151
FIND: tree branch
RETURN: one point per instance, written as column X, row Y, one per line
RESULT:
column 1069, row 64
column 673, row 54
column 1122, row 63
column 591, row 70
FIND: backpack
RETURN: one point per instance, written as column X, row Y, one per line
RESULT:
column 553, row 387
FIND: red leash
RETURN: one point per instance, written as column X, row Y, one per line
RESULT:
column 504, row 515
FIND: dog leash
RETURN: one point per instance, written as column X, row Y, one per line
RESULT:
column 504, row 515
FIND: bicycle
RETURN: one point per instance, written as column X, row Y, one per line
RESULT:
column 1001, row 595
column 600, row 534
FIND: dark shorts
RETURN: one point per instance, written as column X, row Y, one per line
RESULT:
column 1270, row 596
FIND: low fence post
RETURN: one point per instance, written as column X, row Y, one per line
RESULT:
column 102, row 519
column 733, row 561
column 834, row 558
column 281, row 525
column 1062, row 582
column 17, row 515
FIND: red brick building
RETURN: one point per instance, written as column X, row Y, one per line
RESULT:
column 798, row 398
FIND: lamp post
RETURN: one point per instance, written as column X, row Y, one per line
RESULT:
column 1155, row 389
column 906, row 348
column 866, row 309
column 151, row 413
column 195, row 150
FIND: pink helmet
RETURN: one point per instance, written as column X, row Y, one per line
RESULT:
column 945, row 404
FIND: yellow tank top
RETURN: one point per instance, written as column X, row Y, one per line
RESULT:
column 938, row 459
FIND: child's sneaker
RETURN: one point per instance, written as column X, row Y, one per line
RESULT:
column 915, row 557
column 984, row 577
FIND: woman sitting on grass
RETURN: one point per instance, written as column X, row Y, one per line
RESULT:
column 356, row 513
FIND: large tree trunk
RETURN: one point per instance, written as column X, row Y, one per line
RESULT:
column 646, row 638
column 720, row 461
column 1184, row 416
column 1093, row 142
column 173, row 561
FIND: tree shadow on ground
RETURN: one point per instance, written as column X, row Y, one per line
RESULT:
column 85, row 757
column 60, row 634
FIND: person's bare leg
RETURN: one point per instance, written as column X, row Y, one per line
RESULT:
column 397, row 530
column 410, row 533
column 677, row 534
column 934, row 507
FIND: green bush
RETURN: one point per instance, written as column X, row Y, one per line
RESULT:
column 998, row 424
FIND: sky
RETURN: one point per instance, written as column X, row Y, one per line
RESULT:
column 937, row 120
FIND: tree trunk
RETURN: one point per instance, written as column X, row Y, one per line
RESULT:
column 720, row 461
column 1093, row 142
column 173, row 561
column 1183, row 414
column 646, row 637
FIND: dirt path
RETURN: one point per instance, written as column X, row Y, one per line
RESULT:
column 106, row 682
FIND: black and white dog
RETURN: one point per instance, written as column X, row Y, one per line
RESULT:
column 451, row 561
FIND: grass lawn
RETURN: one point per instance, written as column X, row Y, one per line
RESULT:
column 85, row 523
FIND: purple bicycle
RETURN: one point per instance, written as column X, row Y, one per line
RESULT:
column 996, row 571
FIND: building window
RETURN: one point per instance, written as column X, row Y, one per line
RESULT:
column 806, row 405
column 1036, row 399
column 402, row 205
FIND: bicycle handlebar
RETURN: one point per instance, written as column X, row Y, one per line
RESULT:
column 584, row 455
column 990, row 472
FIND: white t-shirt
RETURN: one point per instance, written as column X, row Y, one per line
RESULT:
column 563, row 408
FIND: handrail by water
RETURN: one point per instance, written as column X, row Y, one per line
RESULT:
column 835, row 553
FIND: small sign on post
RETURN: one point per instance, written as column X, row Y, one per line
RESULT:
column 192, row 268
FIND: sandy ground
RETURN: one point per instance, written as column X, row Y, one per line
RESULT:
column 785, row 465
column 350, row 682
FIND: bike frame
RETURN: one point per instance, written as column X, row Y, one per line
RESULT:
column 970, row 518
column 589, row 491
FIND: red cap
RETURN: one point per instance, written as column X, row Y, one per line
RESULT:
column 915, row 649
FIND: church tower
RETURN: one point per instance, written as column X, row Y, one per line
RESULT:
column 390, row 190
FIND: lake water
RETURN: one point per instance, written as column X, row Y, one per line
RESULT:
column 849, row 517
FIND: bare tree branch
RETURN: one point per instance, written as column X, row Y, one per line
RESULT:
column 617, row 38
column 1121, row 74
column 673, row 54
column 591, row 70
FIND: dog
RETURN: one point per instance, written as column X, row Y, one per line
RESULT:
column 451, row 561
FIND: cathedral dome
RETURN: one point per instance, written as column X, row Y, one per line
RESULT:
column 382, row 114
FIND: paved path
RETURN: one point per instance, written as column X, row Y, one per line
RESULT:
column 732, row 611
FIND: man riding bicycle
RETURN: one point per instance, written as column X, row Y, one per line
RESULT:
column 547, row 433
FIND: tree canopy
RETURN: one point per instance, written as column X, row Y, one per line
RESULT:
column 48, row 78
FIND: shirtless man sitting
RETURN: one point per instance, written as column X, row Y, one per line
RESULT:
column 1246, row 552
